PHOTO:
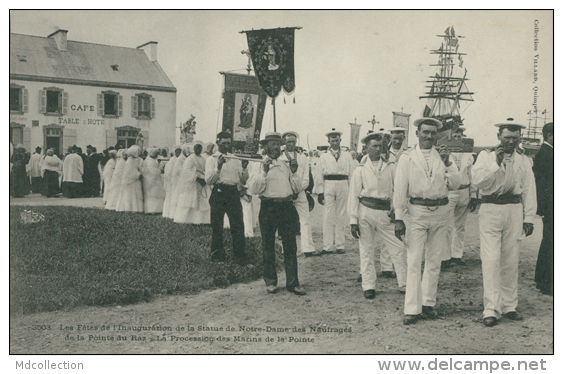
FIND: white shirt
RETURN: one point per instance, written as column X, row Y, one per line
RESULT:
column 370, row 180
column 328, row 165
column 231, row 173
column 464, row 163
column 516, row 177
column 73, row 168
column 303, row 168
column 414, row 178
column 279, row 181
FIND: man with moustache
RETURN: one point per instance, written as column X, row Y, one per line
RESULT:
column 276, row 184
column 508, row 206
column 423, row 177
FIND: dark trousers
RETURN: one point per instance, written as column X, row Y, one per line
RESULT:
column 226, row 200
column 279, row 216
column 37, row 184
column 544, row 265
column 51, row 183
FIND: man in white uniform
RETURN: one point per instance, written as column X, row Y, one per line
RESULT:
column 424, row 175
column 462, row 201
column 507, row 185
column 369, row 207
column 301, row 203
column 334, row 170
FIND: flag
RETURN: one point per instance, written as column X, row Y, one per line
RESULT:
column 272, row 53
column 354, row 136
column 447, row 32
column 452, row 32
column 243, row 110
column 460, row 62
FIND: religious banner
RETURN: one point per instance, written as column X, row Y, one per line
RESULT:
column 401, row 119
column 271, row 52
column 243, row 110
column 354, row 136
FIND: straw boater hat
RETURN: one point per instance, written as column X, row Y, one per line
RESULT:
column 393, row 130
column 333, row 132
column 271, row 136
column 428, row 119
column 373, row 134
column 290, row 133
column 509, row 123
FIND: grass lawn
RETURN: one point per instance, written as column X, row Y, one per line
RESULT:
column 81, row 256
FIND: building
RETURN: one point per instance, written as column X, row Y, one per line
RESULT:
column 65, row 92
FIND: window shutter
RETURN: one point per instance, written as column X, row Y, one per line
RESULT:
column 119, row 106
column 100, row 104
column 25, row 100
column 152, row 108
column 64, row 102
column 134, row 110
column 69, row 138
column 42, row 101
column 111, row 138
column 27, row 138
column 145, row 139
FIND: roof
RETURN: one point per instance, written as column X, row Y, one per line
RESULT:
column 84, row 62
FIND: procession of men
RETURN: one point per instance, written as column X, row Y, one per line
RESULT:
column 412, row 202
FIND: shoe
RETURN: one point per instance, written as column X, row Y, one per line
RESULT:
column 515, row 316
column 311, row 254
column 388, row 274
column 403, row 290
column 271, row 289
column 458, row 262
column 369, row 294
column 446, row 264
column 297, row 290
column 490, row 321
column 323, row 252
column 428, row 312
column 338, row 251
column 360, row 279
column 409, row 319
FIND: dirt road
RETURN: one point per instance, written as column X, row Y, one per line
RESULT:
column 333, row 317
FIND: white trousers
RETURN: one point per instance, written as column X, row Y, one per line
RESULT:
column 335, row 216
column 459, row 208
column 376, row 224
column 426, row 226
column 302, row 206
column 385, row 259
column 500, row 226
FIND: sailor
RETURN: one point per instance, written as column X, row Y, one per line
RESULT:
column 276, row 184
column 507, row 185
column 225, row 175
column 334, row 169
column 370, row 210
column 424, row 175
column 461, row 202
column 301, row 203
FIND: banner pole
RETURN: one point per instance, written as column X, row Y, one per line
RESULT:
column 274, row 105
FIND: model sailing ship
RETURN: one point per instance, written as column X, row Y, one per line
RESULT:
column 531, row 137
column 448, row 90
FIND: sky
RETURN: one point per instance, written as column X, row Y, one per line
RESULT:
column 349, row 65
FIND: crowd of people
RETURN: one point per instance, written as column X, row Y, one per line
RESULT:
column 413, row 201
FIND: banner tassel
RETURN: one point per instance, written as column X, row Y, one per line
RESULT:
column 293, row 99
column 284, row 99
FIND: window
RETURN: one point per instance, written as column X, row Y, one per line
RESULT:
column 127, row 136
column 143, row 106
column 53, row 101
column 110, row 104
column 18, row 98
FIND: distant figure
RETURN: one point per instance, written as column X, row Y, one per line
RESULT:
column 178, row 165
column 115, row 185
column 131, row 196
column 153, row 186
column 543, row 170
column 91, row 172
column 107, row 175
column 35, row 163
column 167, row 179
column 73, row 169
column 19, row 182
column 51, row 168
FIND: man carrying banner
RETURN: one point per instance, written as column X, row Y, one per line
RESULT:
column 506, row 182
column 334, row 169
column 424, row 175
column 301, row 203
column 369, row 207
column 224, row 175
column 276, row 184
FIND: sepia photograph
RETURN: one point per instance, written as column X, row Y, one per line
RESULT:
column 300, row 182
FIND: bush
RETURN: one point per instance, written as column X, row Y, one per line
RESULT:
column 81, row 256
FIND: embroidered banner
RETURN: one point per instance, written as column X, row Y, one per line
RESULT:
column 243, row 111
column 401, row 119
column 272, row 52
column 354, row 136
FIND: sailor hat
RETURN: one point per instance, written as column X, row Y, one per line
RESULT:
column 428, row 119
column 509, row 122
column 397, row 129
column 271, row 136
column 373, row 134
column 333, row 132
column 290, row 133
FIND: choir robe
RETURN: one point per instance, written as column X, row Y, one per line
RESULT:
column 168, row 170
column 193, row 205
column 153, row 186
column 131, row 195
column 115, row 186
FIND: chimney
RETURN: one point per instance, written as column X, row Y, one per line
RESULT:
column 60, row 38
column 150, row 49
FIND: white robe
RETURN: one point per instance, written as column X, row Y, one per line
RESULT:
column 174, row 184
column 115, row 186
column 35, row 163
column 107, row 174
column 73, row 168
column 193, row 205
column 131, row 196
column 168, row 170
column 153, row 187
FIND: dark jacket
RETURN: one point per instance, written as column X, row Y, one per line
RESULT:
column 543, row 172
